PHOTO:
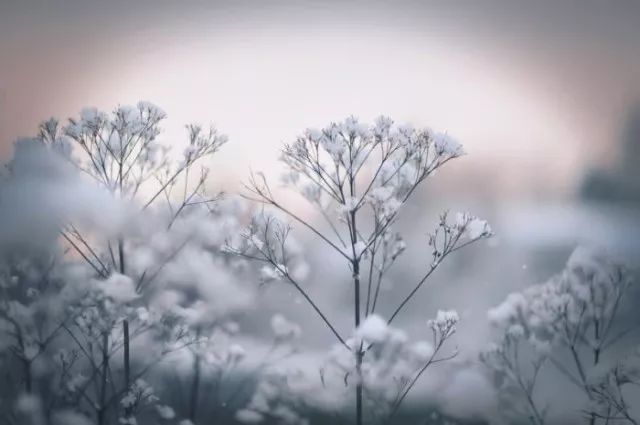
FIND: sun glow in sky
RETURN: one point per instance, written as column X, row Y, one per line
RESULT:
column 263, row 75
column 263, row 92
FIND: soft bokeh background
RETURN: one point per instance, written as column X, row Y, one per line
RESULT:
column 544, row 95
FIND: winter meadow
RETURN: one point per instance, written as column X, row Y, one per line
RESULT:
column 266, row 246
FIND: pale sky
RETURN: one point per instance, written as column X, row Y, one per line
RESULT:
column 535, row 92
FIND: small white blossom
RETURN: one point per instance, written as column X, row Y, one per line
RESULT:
column 119, row 287
column 165, row 412
column 247, row 416
column 236, row 352
column 445, row 322
column 447, row 146
column 373, row 329
column 283, row 328
column 269, row 273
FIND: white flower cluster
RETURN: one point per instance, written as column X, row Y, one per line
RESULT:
column 268, row 238
column 118, row 287
column 165, row 412
column 276, row 400
column 202, row 142
column 608, row 390
column 390, row 363
column 447, row 146
column 451, row 236
column 384, row 202
column 218, row 349
column 398, row 157
column 575, row 311
column 444, row 325
column 588, row 289
column 115, row 132
column 139, row 395
column 140, row 392
column 472, row 226
column 389, row 356
column 120, row 150
column 97, row 315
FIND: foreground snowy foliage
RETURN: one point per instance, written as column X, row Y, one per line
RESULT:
column 574, row 314
column 125, row 269
column 123, row 281
column 358, row 177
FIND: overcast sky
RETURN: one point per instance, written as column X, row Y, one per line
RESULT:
column 523, row 84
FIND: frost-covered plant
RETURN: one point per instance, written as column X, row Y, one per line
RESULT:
column 393, row 364
column 608, row 391
column 33, row 314
column 389, row 371
column 120, row 151
column 135, row 283
column 357, row 177
column 572, row 314
column 517, row 377
column 30, row 296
